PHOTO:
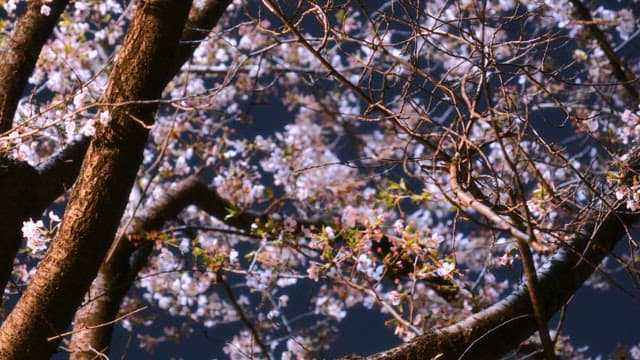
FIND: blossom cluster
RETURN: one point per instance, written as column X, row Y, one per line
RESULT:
column 377, row 126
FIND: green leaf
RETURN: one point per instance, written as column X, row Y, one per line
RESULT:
column 231, row 212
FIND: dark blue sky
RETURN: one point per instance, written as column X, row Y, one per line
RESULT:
column 601, row 320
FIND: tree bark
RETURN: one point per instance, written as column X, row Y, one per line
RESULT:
column 117, row 275
column 100, row 195
column 27, row 192
column 20, row 186
column 19, row 58
column 59, row 172
column 91, row 334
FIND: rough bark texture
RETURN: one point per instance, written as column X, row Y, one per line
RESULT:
column 60, row 170
column 491, row 333
column 19, row 58
column 103, row 186
column 23, row 193
column 27, row 192
column 58, row 173
column 116, row 276
column 120, row 271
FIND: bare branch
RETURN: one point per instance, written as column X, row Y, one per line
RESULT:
column 523, row 242
column 244, row 318
column 620, row 69
column 59, row 172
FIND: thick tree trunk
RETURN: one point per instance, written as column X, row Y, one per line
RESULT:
column 59, row 172
column 117, row 275
column 103, row 187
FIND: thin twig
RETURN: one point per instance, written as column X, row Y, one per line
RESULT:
column 52, row 338
column 384, row 304
column 243, row 317
column 522, row 241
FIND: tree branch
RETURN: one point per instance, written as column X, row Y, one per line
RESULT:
column 23, row 190
column 128, row 257
column 59, row 172
column 103, row 187
column 494, row 331
column 620, row 69
column 197, row 28
column 118, row 274
column 244, row 318
column 19, row 188
column 20, row 57
column 523, row 241
column 28, row 192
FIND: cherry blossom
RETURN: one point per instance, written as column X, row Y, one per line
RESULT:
column 380, row 156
